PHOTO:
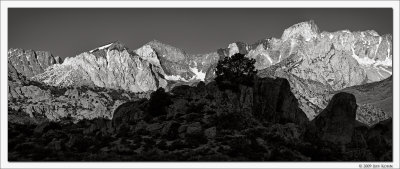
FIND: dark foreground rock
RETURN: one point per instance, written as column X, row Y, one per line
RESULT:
column 258, row 123
column 336, row 123
column 337, row 133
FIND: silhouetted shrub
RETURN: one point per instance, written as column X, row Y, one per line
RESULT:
column 235, row 70
column 158, row 102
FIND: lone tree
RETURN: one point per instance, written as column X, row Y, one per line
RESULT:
column 235, row 70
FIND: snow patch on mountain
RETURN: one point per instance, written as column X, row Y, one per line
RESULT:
column 368, row 61
column 387, row 62
column 198, row 74
column 175, row 78
column 362, row 61
column 101, row 47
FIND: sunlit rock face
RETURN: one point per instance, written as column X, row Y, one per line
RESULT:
column 307, row 30
column 110, row 66
column 339, row 59
column 29, row 63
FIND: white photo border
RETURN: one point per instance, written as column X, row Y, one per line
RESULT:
column 193, row 4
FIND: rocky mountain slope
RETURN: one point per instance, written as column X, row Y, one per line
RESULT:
column 32, row 102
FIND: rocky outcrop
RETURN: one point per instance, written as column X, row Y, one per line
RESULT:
column 268, row 100
column 274, row 101
column 337, row 122
column 312, row 96
column 374, row 100
column 380, row 140
column 128, row 112
column 205, row 117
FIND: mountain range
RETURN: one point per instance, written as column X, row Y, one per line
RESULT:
column 316, row 64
